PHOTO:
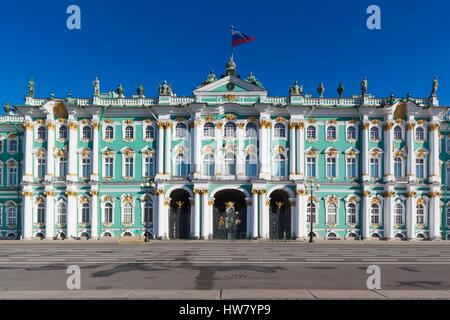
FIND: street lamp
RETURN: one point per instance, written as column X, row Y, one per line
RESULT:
column 150, row 185
column 313, row 185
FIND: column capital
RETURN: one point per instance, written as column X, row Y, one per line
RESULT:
column 28, row 125
column 159, row 192
column 433, row 127
column 26, row 194
column 49, row 193
column 410, row 125
column 258, row 191
column 389, row 194
column 388, row 125
column 50, row 125
column 366, row 193
column 410, row 194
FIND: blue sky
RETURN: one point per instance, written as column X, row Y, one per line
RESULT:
column 148, row 41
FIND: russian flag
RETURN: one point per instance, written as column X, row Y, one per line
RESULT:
column 238, row 38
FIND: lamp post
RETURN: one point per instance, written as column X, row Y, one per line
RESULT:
column 150, row 185
column 312, row 186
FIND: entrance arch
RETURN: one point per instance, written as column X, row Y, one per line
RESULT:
column 230, row 215
column 280, row 215
column 179, row 214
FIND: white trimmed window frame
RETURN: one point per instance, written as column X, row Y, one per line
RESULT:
column 124, row 158
column 403, row 167
column 284, row 129
column 38, row 201
column 175, row 130
column 347, row 158
column 2, row 143
column 316, row 165
column 276, row 164
column 316, row 214
column 399, row 202
column 57, row 132
column 380, row 132
column 125, row 125
column 82, row 136
column 380, row 213
column 81, row 158
column 61, row 201
column 208, row 129
column 58, row 166
column 122, row 211
column 347, row 207
column 425, row 212
column 10, row 140
column 336, row 128
column 80, row 209
column 402, row 133
column 2, row 175
column 36, row 158
column 104, row 156
column 253, row 124
column 327, row 213
column 36, row 133
column 336, row 166
column 8, row 206
column 104, row 127
column 424, row 134
column 143, row 201
column 316, row 132
column 146, row 125
column 146, row 156
column 12, row 164
column 103, row 213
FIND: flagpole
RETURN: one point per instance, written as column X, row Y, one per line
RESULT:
column 231, row 42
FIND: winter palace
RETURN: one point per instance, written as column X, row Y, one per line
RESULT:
column 227, row 162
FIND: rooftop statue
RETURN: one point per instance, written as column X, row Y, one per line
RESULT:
column 321, row 90
column 364, row 87
column 31, row 88
column 165, row 89
column 96, row 85
column 391, row 99
column 140, row 91
column 340, row 90
column 210, row 78
column 119, row 91
column 7, row 107
column 434, row 87
column 230, row 69
column 296, row 90
column 252, row 79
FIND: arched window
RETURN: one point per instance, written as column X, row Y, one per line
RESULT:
column 1, row 180
column 40, row 167
column 148, row 212
column 420, row 214
column 180, row 130
column 230, row 129
column 208, row 130
column 375, row 172
column 311, row 210
column 331, row 133
column 311, row 163
column 351, row 133
column 280, row 165
column 448, row 215
column 149, row 132
column 87, row 133
column 420, row 168
column 128, row 166
column 398, row 133
column 62, row 133
column 41, row 132
column 208, row 165
column 331, row 167
column 12, row 146
column 11, row 215
column 127, row 213
column 85, row 213
column 351, row 167
column 251, row 130
column 40, row 213
column 12, row 173
column 420, row 134
column 251, row 166
column 398, row 214
column 279, row 130
column 62, row 167
column 108, row 213
column 180, row 165
column 398, row 167
column 375, row 214
column 351, row 213
column 311, row 133
column 129, row 132
column 109, row 133
column 86, row 166
column 61, row 213
column 149, row 166
column 230, row 164
column 374, row 133
column 332, row 214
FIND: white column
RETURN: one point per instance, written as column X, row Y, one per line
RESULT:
column 240, row 157
column 388, row 213
column 263, row 150
column 265, row 206
column 95, row 151
column 198, row 135
column 28, row 156
column 435, row 175
column 365, row 151
column 73, row 158
column 365, row 226
column 301, row 150
column 410, row 167
column 301, row 215
column 388, row 152
column 249, row 217
column 206, row 216
column 410, row 213
column 218, row 154
column 196, row 214
column 160, row 150
column 435, row 215
column 50, row 146
column 292, row 150
column 94, row 215
column 49, row 214
column 255, row 200
column 72, row 213
column 293, row 207
column 27, row 224
column 167, row 152
column 159, row 223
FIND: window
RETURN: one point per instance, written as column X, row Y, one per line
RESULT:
column 86, row 167
column 40, row 213
column 108, row 171
column 41, row 168
column 149, row 132
column 148, row 212
column 398, row 214
column 331, row 133
column 129, row 133
column 62, row 167
column 1, row 215
column 448, row 144
column 109, row 133
column 85, row 213
column 208, row 165
column 149, row 170
column 331, row 167
column 420, row 168
column 62, row 132
column 311, row 210
column 129, row 167
column 375, row 168
column 251, row 165
column 11, row 213
column 420, row 214
column 251, row 130
column 332, row 214
column 1, row 177
column 12, row 146
column 127, row 213
column 375, row 214
column 12, row 174
column 1, row 145
column 448, row 173
column 398, row 167
column 180, row 165
column 230, row 164
column 230, row 129
column 311, row 133
column 279, row 130
column 351, row 133
column 108, row 213
column 351, row 213
column 351, row 168
column 208, row 130
column 420, row 134
column 61, row 213
column 180, row 130
column 41, row 133
column 311, row 166
column 397, row 133
column 375, row 134
column 448, row 216
column 86, row 133
column 280, row 165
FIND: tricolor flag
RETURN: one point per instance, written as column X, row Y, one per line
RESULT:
column 238, row 38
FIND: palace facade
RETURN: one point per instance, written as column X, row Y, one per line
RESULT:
column 228, row 162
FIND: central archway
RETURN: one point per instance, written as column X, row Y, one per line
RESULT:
column 230, row 215
column 179, row 215
column 280, row 216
